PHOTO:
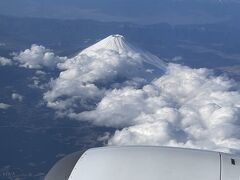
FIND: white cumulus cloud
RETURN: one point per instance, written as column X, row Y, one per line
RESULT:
column 5, row 61
column 37, row 57
column 177, row 106
column 18, row 97
column 185, row 107
column 86, row 77
column 4, row 106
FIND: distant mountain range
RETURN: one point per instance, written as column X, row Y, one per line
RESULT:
column 205, row 45
column 137, row 11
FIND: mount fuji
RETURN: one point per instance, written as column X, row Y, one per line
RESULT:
column 118, row 43
column 114, row 51
column 109, row 64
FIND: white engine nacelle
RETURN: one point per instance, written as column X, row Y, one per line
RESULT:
column 146, row 163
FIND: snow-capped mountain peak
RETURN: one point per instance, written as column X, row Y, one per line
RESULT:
column 118, row 44
column 113, row 42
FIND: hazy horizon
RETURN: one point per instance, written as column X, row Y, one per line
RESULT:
column 142, row 12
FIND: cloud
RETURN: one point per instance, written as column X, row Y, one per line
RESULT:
column 5, row 61
column 111, row 84
column 185, row 107
column 85, row 78
column 18, row 97
column 177, row 58
column 37, row 57
column 2, row 44
column 4, row 106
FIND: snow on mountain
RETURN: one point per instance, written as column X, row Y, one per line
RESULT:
column 117, row 56
column 119, row 44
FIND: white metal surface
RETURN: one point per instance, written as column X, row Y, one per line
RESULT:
column 230, row 167
column 147, row 163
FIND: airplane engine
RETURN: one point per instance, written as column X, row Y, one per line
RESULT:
column 146, row 163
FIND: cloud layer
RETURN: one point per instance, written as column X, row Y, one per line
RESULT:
column 115, row 85
column 183, row 107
